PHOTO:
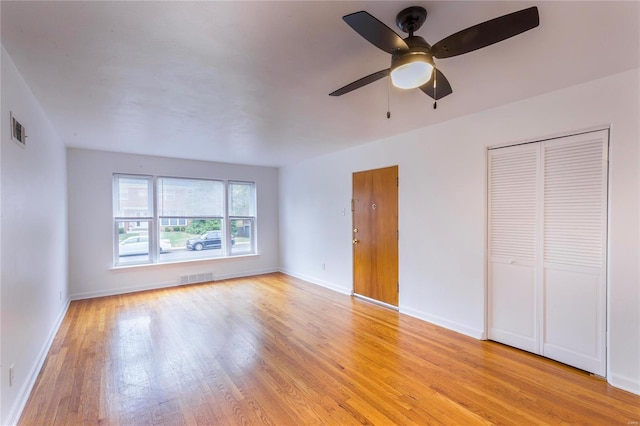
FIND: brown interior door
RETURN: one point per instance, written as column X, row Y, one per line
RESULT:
column 375, row 234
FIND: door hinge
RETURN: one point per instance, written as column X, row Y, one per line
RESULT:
column 398, row 287
column 398, row 235
column 397, row 181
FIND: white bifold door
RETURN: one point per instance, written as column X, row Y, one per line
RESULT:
column 547, row 205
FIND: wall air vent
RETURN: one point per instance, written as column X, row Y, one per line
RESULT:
column 196, row 278
column 18, row 132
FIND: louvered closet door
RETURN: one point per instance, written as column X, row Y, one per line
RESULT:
column 575, row 217
column 547, row 248
column 513, row 177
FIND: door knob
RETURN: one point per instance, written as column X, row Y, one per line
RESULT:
column 356, row 241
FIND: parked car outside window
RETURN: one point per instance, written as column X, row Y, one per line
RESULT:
column 140, row 245
column 207, row 240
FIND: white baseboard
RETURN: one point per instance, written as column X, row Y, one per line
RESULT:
column 246, row 274
column 25, row 390
column 165, row 284
column 625, row 383
column 321, row 283
column 471, row 332
column 123, row 290
column 458, row 328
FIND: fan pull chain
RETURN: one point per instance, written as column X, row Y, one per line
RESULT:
column 435, row 88
column 388, row 96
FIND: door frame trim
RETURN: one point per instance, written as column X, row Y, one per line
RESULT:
column 607, row 189
column 397, row 223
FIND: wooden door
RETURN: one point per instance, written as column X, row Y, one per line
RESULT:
column 375, row 234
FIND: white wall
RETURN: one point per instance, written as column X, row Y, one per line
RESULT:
column 91, row 270
column 33, row 259
column 443, row 209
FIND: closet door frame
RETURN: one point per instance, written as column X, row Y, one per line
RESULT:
column 541, row 264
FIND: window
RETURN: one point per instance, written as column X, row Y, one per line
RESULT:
column 166, row 219
column 242, row 216
column 133, row 215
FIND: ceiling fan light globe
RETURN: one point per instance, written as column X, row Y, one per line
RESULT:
column 411, row 75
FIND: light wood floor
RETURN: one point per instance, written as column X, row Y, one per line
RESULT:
column 275, row 350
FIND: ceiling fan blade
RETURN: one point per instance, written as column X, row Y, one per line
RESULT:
column 486, row 33
column 443, row 88
column 375, row 32
column 362, row 82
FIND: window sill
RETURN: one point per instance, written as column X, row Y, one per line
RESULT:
column 182, row 262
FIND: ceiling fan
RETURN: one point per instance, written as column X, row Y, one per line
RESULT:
column 412, row 63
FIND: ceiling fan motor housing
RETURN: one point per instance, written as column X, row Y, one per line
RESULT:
column 419, row 49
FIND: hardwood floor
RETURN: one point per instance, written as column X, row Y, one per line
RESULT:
column 275, row 350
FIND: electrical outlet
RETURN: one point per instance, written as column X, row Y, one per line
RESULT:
column 60, row 296
column 11, row 375
column 323, row 266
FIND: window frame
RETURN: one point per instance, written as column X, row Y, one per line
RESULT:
column 252, row 218
column 121, row 219
column 154, row 221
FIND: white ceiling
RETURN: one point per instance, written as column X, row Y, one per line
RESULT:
column 248, row 82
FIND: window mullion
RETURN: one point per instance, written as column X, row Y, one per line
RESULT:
column 226, row 222
column 154, row 232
